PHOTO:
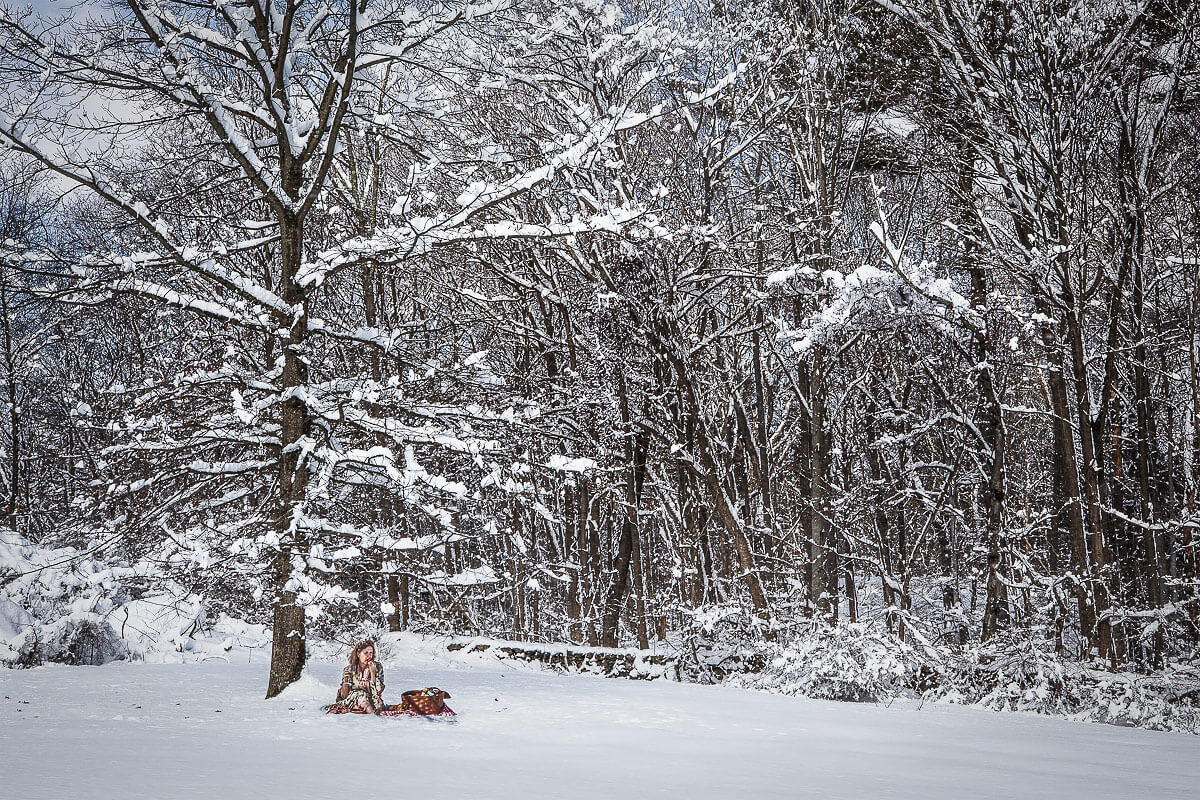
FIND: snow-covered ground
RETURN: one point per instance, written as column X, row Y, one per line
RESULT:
column 202, row 730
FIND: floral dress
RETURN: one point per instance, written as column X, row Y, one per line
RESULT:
column 365, row 696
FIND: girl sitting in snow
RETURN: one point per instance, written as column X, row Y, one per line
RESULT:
column 361, row 691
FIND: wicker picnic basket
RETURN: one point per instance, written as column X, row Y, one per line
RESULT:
column 430, row 700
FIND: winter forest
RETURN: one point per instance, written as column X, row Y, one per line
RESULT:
column 841, row 348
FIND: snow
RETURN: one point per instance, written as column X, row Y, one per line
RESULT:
column 567, row 464
column 469, row 577
column 14, row 621
column 200, row 729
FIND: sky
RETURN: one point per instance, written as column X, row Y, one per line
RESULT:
column 49, row 6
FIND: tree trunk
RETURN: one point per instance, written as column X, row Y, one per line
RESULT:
column 990, row 416
column 12, row 506
column 635, row 473
column 288, row 648
column 1067, row 481
column 575, row 514
column 394, row 620
column 639, row 591
column 819, row 539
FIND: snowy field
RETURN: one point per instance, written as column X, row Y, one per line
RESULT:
column 202, row 730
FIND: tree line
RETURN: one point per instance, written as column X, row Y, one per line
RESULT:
column 601, row 322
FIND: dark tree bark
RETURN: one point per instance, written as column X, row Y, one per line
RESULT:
column 288, row 648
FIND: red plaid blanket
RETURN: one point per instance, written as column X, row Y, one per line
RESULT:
column 393, row 711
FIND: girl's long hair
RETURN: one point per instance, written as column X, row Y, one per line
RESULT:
column 358, row 648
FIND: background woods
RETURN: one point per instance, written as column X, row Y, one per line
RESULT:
column 861, row 331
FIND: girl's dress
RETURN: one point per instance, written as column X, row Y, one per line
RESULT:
column 365, row 696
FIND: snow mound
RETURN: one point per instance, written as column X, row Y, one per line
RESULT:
column 62, row 605
column 308, row 690
column 15, row 622
column 78, row 641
